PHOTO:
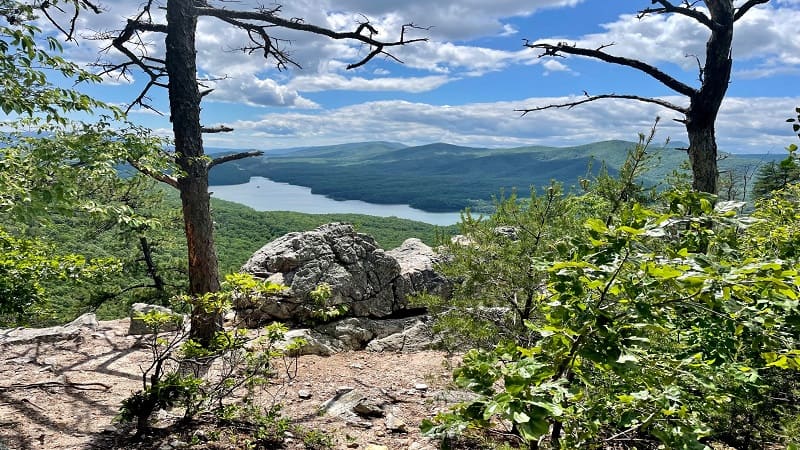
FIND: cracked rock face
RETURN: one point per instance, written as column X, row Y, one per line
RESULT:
column 369, row 281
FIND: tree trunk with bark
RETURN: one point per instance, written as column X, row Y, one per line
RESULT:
column 184, row 103
column 152, row 270
column 705, row 104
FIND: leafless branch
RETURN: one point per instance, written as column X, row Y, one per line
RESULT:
column 746, row 7
column 69, row 30
column 654, row 72
column 700, row 70
column 234, row 157
column 263, row 42
column 56, row 384
column 156, row 175
column 592, row 98
column 686, row 9
column 265, row 18
column 154, row 68
column 217, row 129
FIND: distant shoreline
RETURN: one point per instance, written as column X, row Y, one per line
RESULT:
column 264, row 194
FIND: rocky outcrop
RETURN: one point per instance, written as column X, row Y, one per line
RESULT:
column 417, row 337
column 417, row 272
column 363, row 278
column 18, row 336
column 360, row 333
column 138, row 326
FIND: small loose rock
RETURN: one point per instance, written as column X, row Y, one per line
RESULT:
column 368, row 409
column 304, row 394
column 376, row 447
column 395, row 425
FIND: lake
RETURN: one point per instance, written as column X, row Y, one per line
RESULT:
column 263, row 194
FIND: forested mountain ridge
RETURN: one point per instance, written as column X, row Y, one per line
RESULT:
column 447, row 177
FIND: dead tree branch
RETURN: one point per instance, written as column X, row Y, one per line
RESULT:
column 598, row 53
column 234, row 157
column 53, row 384
column 131, row 35
column 267, row 18
column 592, row 98
column 686, row 9
column 69, row 30
column 746, row 7
column 156, row 175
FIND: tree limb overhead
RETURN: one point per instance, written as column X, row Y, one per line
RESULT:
column 687, row 9
column 234, row 157
column 156, row 175
column 654, row 72
column 746, row 7
column 265, row 18
column 592, row 98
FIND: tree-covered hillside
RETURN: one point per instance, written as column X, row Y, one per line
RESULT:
column 445, row 177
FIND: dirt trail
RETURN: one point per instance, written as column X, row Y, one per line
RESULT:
column 65, row 394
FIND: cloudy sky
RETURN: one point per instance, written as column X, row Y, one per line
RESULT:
column 464, row 84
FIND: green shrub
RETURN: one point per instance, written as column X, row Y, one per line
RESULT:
column 178, row 374
column 649, row 328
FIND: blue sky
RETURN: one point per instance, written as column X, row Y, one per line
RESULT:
column 464, row 85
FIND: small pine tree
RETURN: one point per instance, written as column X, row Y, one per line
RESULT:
column 776, row 176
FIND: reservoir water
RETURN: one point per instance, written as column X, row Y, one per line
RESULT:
column 263, row 194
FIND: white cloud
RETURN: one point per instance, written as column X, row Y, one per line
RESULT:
column 451, row 20
column 328, row 82
column 744, row 124
column 765, row 36
column 257, row 92
column 552, row 65
column 508, row 30
column 469, row 60
column 219, row 45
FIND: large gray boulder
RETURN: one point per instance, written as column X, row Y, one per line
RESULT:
column 360, row 274
column 72, row 330
column 409, row 334
column 139, row 327
column 364, row 278
column 417, row 270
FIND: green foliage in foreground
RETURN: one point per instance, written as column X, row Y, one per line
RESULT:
column 28, row 265
column 673, row 325
column 224, row 382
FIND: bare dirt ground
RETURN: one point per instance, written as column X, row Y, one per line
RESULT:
column 65, row 394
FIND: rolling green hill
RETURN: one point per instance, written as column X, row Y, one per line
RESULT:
column 445, row 177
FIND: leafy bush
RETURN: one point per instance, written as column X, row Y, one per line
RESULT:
column 27, row 265
column 650, row 327
column 500, row 263
column 180, row 373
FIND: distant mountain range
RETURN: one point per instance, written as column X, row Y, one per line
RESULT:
column 446, row 177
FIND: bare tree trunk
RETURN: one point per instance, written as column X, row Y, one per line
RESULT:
column 152, row 270
column 184, row 100
column 705, row 103
column 703, row 158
